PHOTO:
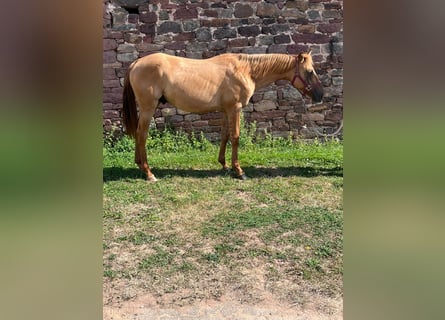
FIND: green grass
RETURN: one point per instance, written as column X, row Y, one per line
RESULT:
column 197, row 232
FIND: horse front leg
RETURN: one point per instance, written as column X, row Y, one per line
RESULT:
column 234, row 128
column 140, row 157
column 224, row 140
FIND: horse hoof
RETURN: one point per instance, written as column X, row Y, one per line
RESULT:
column 241, row 177
column 152, row 178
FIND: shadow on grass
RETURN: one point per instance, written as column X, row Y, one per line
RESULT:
column 119, row 173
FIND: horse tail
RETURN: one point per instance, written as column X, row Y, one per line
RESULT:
column 130, row 114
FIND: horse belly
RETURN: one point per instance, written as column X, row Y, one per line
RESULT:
column 194, row 98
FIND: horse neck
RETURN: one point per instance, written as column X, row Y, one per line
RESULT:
column 268, row 68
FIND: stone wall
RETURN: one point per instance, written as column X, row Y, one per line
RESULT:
column 202, row 29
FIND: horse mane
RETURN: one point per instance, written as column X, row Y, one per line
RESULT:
column 263, row 64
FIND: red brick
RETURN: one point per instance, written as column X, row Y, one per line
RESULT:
column 166, row 5
column 109, row 56
column 306, row 28
column 186, row 13
column 186, row 125
column 274, row 114
column 210, row 13
column 179, row 45
column 243, row 10
column 169, row 26
column 267, row 10
column 277, row 48
column 109, row 34
column 109, row 114
column 310, row 38
column 109, row 44
column 133, row 18
column 200, row 123
column 215, row 23
column 249, row 31
column 109, row 74
column 333, row 6
column 257, row 97
column 329, row 27
column 185, row 36
column 149, row 29
column 148, row 17
column 212, row 115
column 240, row 42
column 297, row 48
column 317, row 58
column 119, row 90
column 111, row 83
column 258, row 116
column 112, row 98
column 282, row 38
column 333, row 116
column 215, row 122
column 280, row 125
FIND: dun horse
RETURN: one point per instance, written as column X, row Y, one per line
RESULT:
column 222, row 83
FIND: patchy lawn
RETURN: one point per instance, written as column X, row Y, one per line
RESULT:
column 197, row 233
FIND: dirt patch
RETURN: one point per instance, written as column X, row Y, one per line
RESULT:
column 146, row 307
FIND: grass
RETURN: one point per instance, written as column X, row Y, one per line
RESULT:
column 198, row 233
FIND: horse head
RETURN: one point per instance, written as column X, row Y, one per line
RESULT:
column 306, row 79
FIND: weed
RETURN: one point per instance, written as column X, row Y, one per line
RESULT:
column 313, row 264
column 140, row 238
column 160, row 259
column 324, row 250
column 186, row 267
column 212, row 257
column 110, row 273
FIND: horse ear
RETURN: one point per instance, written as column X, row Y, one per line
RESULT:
column 310, row 51
column 301, row 58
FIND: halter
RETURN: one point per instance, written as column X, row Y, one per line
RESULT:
column 307, row 87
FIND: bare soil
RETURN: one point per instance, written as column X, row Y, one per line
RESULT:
column 227, row 307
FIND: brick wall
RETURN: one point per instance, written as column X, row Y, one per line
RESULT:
column 202, row 29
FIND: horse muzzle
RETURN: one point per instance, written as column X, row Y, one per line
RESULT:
column 317, row 93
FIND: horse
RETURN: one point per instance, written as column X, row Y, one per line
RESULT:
column 222, row 83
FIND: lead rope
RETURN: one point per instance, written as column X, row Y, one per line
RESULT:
column 314, row 128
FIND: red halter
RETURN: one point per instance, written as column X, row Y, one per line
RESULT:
column 307, row 87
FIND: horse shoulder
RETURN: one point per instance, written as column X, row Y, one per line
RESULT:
column 235, row 92
column 241, row 82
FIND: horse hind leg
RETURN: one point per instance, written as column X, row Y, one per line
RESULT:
column 145, row 114
column 224, row 140
column 234, row 129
